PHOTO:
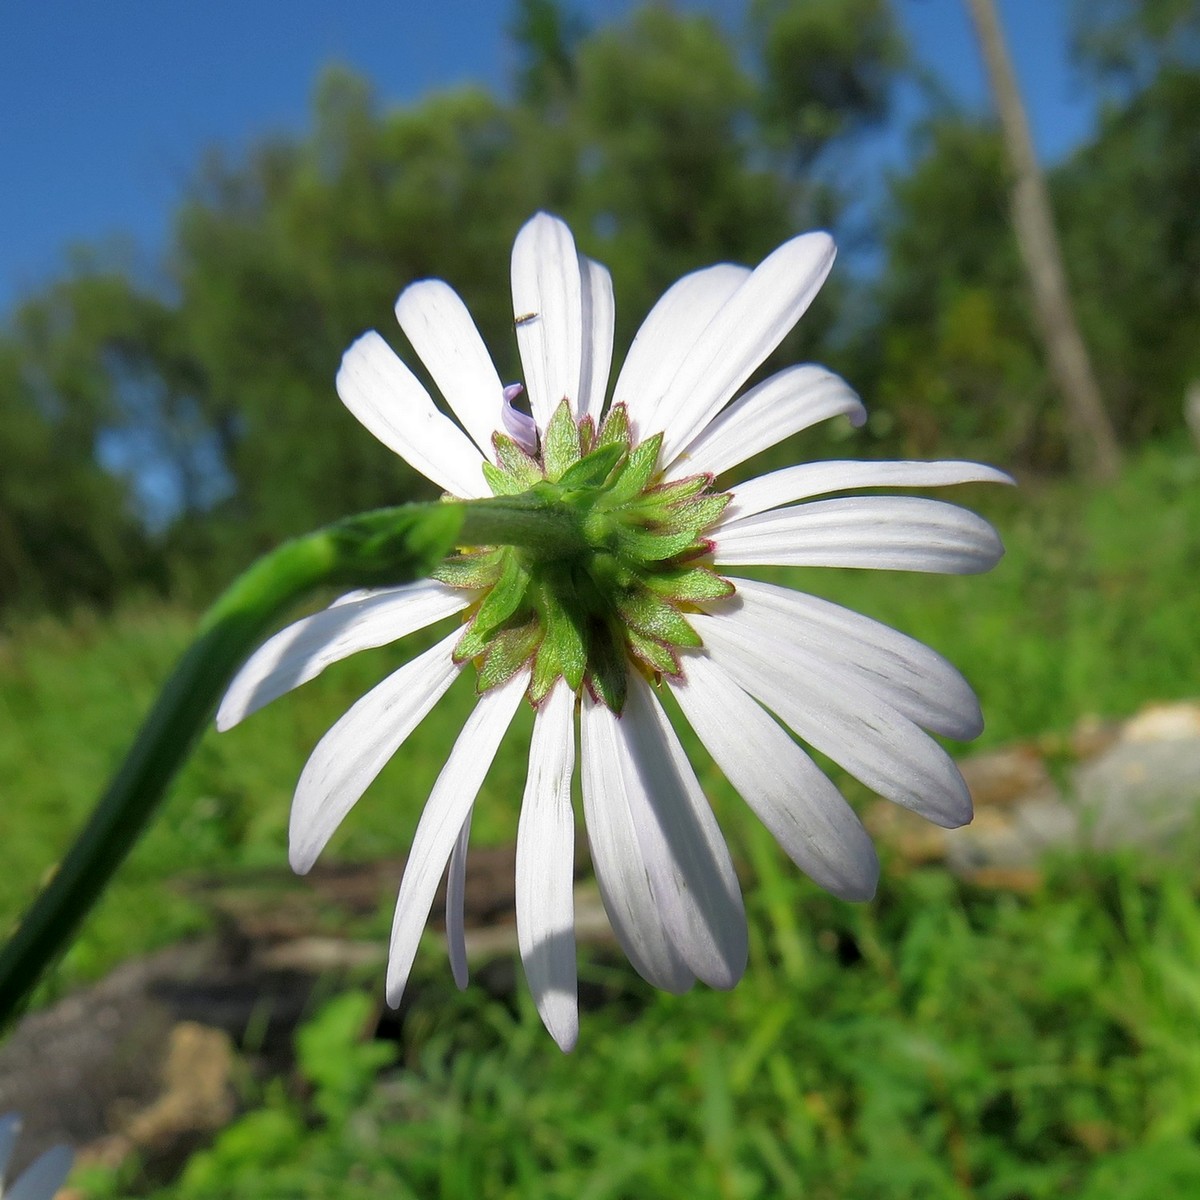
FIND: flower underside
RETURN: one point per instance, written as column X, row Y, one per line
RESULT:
column 620, row 595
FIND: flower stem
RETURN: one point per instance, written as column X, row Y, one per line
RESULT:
column 389, row 546
column 538, row 520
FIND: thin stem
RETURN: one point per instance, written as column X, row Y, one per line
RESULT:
column 379, row 548
column 538, row 520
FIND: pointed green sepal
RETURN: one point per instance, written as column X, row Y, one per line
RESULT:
column 470, row 570
column 545, row 674
column 678, row 489
column 507, row 653
column 699, row 512
column 648, row 614
column 501, row 603
column 564, row 647
column 560, row 446
column 514, row 462
column 614, row 431
column 635, row 474
column 646, row 547
column 558, row 656
column 688, row 585
column 593, row 469
column 507, row 593
column 501, row 483
column 654, row 654
column 606, row 677
column 587, row 435
column 472, row 644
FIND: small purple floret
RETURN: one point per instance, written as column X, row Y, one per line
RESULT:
column 520, row 425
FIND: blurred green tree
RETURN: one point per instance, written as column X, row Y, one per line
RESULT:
column 1133, row 242
column 68, row 527
column 1125, row 44
column 952, row 342
column 665, row 142
column 956, row 356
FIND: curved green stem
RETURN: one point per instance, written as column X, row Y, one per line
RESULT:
column 389, row 546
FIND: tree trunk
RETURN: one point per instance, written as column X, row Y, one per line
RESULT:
column 1091, row 441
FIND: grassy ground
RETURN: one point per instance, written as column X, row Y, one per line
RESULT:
column 937, row 1042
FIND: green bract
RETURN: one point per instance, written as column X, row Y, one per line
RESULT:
column 619, row 593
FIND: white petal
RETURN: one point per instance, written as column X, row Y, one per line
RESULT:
column 754, row 320
column 548, row 304
column 442, row 332
column 445, row 811
column 546, row 869
column 598, row 317
column 667, row 336
column 360, row 621
column 818, row 478
column 840, row 718
column 42, row 1179
column 792, row 400
column 792, row 797
column 621, row 872
column 690, row 871
column 390, row 401
column 907, row 674
column 355, row 749
column 456, row 886
column 889, row 533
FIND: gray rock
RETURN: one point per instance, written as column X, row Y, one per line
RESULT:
column 1140, row 794
column 1133, row 784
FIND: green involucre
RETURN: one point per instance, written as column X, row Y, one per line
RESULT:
column 584, row 609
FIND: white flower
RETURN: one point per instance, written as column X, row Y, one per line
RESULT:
column 648, row 601
column 43, row 1177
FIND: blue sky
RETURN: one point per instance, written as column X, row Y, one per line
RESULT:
column 106, row 106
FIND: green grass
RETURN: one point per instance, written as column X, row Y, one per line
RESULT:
column 977, row 1045
column 941, row 1042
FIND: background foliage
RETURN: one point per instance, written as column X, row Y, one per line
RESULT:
column 166, row 430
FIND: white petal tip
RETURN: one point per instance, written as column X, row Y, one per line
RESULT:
column 815, row 251
column 395, row 986
column 992, row 554
column 412, row 293
column 823, row 240
column 363, row 346
column 861, row 895
column 857, row 889
column 565, row 1039
column 971, row 726
column 953, row 816
column 543, row 220
column 559, row 1011
column 302, row 857
column 727, row 976
column 986, row 473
